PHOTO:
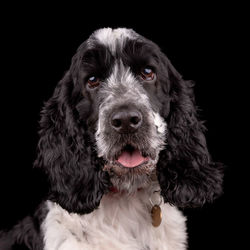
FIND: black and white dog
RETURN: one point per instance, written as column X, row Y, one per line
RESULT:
column 122, row 147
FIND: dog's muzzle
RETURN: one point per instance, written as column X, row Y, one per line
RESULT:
column 126, row 121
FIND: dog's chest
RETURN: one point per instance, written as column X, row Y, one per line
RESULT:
column 119, row 223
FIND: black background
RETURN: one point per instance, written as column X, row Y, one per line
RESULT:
column 204, row 43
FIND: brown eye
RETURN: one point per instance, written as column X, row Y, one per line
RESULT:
column 147, row 74
column 93, row 81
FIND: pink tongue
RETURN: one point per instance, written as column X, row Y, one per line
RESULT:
column 131, row 159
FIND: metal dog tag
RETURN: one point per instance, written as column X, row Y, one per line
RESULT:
column 156, row 215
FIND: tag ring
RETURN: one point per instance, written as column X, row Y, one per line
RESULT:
column 158, row 191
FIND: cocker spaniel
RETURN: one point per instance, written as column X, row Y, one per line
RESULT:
column 123, row 148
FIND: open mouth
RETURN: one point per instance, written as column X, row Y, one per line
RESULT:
column 131, row 157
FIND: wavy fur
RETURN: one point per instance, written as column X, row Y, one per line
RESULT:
column 186, row 173
column 66, row 153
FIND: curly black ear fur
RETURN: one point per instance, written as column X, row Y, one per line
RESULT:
column 186, row 173
column 65, row 152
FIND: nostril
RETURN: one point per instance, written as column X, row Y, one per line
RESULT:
column 135, row 120
column 116, row 123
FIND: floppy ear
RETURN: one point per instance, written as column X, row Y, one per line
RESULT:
column 65, row 152
column 187, row 175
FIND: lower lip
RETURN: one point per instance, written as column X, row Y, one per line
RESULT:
column 142, row 163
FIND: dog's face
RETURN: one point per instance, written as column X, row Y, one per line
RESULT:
column 121, row 113
column 122, row 76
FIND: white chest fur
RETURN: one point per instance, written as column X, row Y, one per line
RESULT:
column 121, row 222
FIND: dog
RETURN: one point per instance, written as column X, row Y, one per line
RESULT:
column 124, row 150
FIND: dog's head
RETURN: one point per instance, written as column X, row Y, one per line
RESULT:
column 119, row 115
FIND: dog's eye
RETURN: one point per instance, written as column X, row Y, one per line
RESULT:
column 93, row 81
column 147, row 74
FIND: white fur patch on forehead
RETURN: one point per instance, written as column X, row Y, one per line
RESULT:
column 114, row 37
column 121, row 75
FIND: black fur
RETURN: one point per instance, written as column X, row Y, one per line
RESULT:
column 66, row 149
column 26, row 234
column 187, row 175
column 65, row 152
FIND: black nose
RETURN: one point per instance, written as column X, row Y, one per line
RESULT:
column 126, row 121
